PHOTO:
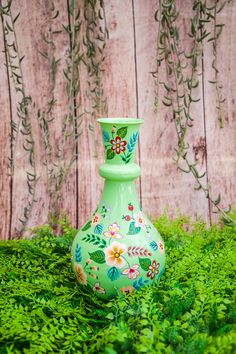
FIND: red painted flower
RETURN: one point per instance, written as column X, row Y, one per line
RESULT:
column 118, row 145
column 153, row 269
column 127, row 217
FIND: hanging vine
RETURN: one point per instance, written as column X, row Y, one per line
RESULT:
column 86, row 49
column 23, row 123
column 182, row 77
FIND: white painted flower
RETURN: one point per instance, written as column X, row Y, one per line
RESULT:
column 132, row 272
column 161, row 247
column 113, row 231
column 139, row 220
column 97, row 287
column 113, row 254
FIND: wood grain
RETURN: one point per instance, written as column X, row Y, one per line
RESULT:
column 162, row 184
column 5, row 124
column 221, row 142
column 36, row 21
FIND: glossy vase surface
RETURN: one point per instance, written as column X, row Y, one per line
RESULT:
column 118, row 250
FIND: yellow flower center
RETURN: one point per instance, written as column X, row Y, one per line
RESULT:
column 117, row 255
column 117, row 145
column 140, row 220
column 153, row 269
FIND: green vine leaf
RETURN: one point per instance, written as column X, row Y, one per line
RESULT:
column 98, row 256
column 133, row 229
column 110, row 154
column 122, row 132
column 86, row 226
column 145, row 263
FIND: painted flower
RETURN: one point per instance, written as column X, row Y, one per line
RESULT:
column 118, row 145
column 127, row 289
column 132, row 272
column 96, row 219
column 139, row 220
column 113, row 254
column 113, row 231
column 127, row 217
column 153, row 269
column 80, row 274
column 97, row 287
column 161, row 247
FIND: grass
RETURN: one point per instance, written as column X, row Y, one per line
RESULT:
column 191, row 310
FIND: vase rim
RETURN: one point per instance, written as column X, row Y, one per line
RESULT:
column 120, row 120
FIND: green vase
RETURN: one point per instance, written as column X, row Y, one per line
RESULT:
column 118, row 250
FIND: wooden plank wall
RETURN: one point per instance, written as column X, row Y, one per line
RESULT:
column 130, row 90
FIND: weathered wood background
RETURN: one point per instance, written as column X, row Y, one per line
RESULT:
column 130, row 91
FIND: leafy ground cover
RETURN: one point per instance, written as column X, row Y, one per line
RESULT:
column 191, row 310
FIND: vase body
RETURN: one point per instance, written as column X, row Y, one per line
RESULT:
column 118, row 250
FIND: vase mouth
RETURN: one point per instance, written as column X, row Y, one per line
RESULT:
column 120, row 120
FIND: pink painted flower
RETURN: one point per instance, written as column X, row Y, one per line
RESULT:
column 132, row 272
column 139, row 220
column 161, row 247
column 96, row 219
column 153, row 269
column 118, row 145
column 80, row 274
column 113, row 231
column 113, row 254
column 97, row 287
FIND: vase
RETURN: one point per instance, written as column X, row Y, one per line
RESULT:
column 118, row 250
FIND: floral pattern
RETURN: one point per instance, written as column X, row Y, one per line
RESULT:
column 113, row 254
column 161, row 247
column 134, row 262
column 132, row 272
column 97, row 287
column 153, row 270
column 113, row 231
column 81, row 275
column 139, row 220
column 118, row 145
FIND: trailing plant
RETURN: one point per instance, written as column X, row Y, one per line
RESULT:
column 191, row 309
column 94, row 41
column 23, row 123
column 85, row 50
column 182, row 78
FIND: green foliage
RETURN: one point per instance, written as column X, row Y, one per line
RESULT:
column 191, row 310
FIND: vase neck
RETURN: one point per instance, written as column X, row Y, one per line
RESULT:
column 117, row 194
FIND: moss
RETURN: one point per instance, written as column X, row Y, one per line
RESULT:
column 191, row 310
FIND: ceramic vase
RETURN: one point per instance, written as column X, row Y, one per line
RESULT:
column 118, row 250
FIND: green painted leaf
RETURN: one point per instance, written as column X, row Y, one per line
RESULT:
column 145, row 263
column 86, row 226
column 98, row 256
column 122, row 132
column 113, row 273
column 110, row 154
column 133, row 229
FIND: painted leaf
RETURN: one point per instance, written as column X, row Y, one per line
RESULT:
column 86, row 226
column 133, row 229
column 98, row 229
column 106, row 136
column 98, row 256
column 95, row 240
column 122, row 132
column 110, row 154
column 145, row 263
column 78, row 257
column 138, row 284
column 154, row 245
column 113, row 273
